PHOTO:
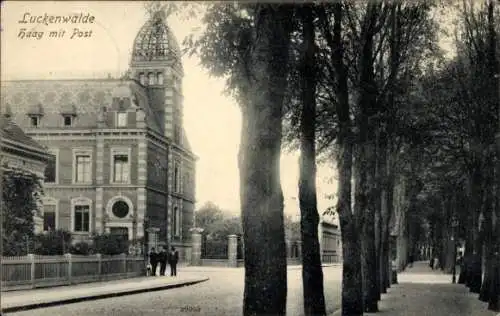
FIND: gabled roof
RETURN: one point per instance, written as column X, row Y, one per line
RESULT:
column 10, row 131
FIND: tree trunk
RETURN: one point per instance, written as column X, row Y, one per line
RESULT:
column 476, row 258
column 494, row 296
column 378, row 219
column 352, row 286
column 386, row 164
column 312, row 273
column 389, row 214
column 259, row 159
column 365, row 161
column 488, row 207
column 365, row 203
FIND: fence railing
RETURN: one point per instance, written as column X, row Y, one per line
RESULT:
column 34, row 271
column 215, row 249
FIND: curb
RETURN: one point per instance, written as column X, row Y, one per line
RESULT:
column 338, row 312
column 326, row 265
column 98, row 296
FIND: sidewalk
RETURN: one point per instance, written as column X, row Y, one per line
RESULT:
column 422, row 291
column 13, row 301
column 201, row 269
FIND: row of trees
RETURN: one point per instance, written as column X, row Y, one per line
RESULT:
column 367, row 85
column 459, row 192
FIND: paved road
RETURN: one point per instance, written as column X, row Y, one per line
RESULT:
column 221, row 295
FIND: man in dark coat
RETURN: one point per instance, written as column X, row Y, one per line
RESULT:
column 173, row 258
column 162, row 258
column 153, row 260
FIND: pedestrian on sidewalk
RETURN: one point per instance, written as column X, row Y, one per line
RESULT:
column 431, row 264
column 173, row 258
column 153, row 260
column 162, row 258
column 410, row 261
column 436, row 263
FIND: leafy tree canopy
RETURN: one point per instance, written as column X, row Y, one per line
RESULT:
column 21, row 194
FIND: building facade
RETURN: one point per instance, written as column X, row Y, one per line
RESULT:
column 121, row 161
column 330, row 242
column 20, row 153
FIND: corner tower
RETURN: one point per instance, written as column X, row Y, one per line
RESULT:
column 156, row 65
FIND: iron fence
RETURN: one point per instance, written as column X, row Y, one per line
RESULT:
column 33, row 271
column 214, row 249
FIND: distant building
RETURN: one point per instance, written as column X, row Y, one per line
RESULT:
column 21, row 153
column 121, row 160
column 329, row 237
column 330, row 241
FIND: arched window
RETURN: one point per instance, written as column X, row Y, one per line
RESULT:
column 142, row 79
column 151, row 77
column 160, row 78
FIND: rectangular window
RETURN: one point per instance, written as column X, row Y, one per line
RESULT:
column 83, row 170
column 176, row 222
column 82, row 218
column 151, row 78
column 35, row 121
column 121, row 168
column 176, row 178
column 68, row 120
column 51, row 169
column 121, row 119
column 177, row 133
column 49, row 217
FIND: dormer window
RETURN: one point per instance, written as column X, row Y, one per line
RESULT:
column 160, row 78
column 68, row 120
column 68, row 113
column 35, row 120
column 121, row 119
column 35, row 113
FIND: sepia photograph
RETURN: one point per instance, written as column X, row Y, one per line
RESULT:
column 254, row 158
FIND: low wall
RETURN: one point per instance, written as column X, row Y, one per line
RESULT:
column 215, row 262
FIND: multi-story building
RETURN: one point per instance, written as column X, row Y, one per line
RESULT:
column 121, row 160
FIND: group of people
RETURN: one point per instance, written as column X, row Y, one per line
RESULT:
column 162, row 257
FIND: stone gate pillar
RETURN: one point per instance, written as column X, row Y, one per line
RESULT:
column 288, row 248
column 299, row 248
column 232, row 251
column 196, row 247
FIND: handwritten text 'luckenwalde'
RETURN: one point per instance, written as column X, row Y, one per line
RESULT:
column 49, row 20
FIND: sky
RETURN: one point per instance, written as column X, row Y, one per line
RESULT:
column 212, row 120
